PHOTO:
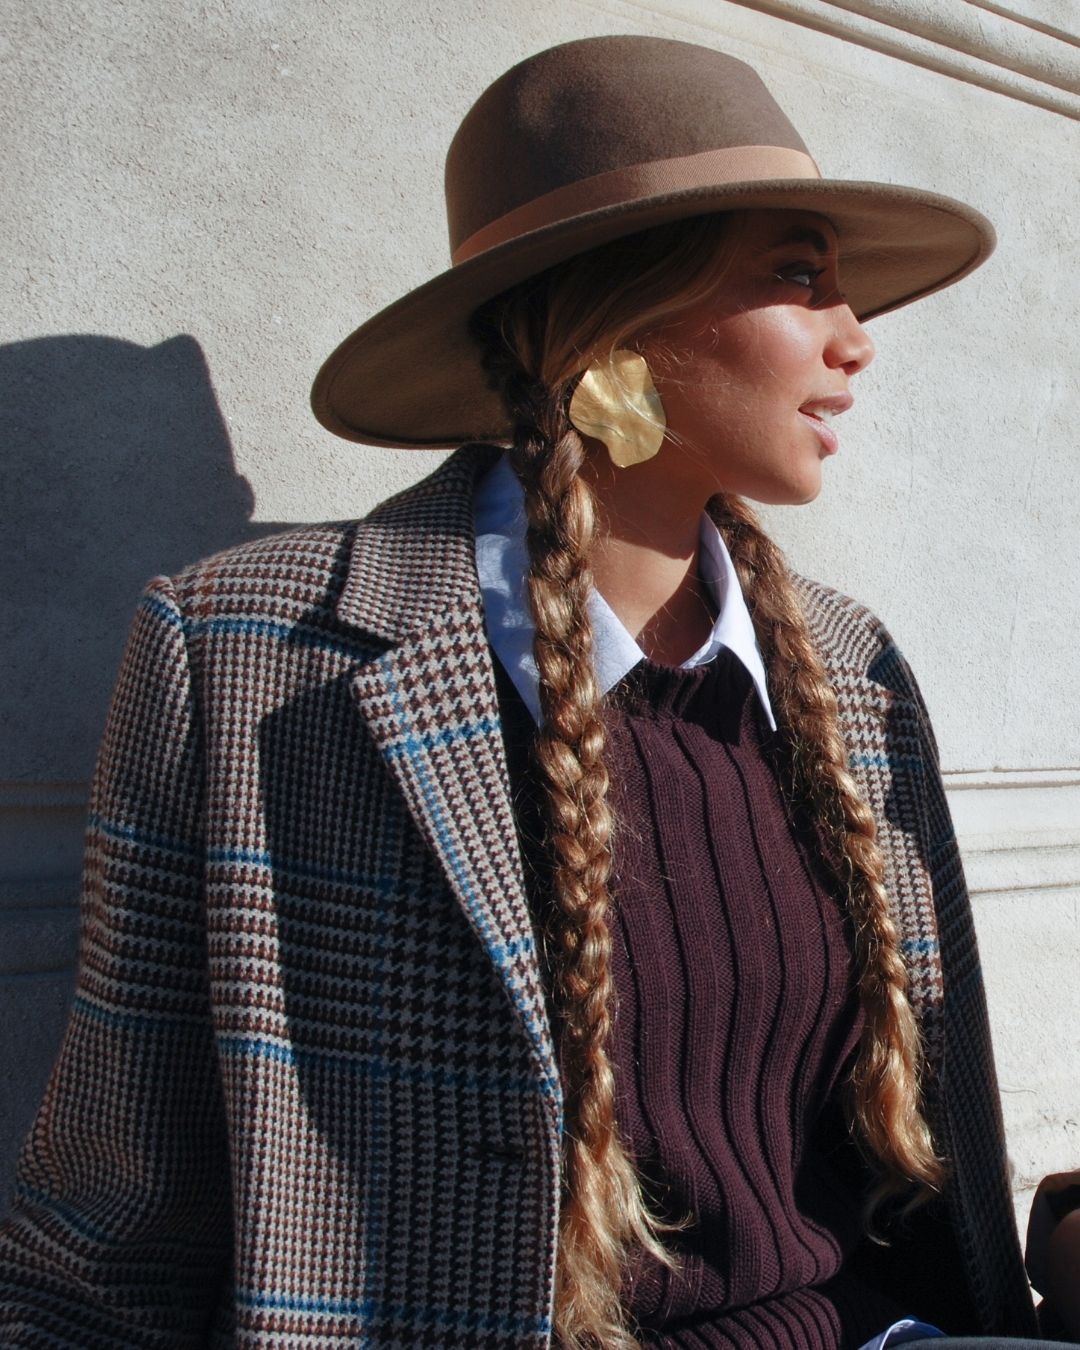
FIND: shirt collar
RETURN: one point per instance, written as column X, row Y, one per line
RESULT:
column 502, row 563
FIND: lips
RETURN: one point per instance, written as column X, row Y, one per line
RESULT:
column 819, row 413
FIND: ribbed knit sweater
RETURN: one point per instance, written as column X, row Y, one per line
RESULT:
column 736, row 1018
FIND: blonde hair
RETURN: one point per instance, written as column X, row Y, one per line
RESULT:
column 536, row 341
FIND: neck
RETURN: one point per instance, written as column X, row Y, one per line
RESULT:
column 645, row 562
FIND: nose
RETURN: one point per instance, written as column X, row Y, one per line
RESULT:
column 849, row 347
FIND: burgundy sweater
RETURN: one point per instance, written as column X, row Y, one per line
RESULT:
column 736, row 1019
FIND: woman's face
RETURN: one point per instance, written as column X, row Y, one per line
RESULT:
column 751, row 379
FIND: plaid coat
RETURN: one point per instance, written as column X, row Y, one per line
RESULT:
column 308, row 1094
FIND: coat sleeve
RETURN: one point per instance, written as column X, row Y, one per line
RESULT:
column 977, row 1203
column 957, row 1261
column 979, row 1192
column 119, row 1231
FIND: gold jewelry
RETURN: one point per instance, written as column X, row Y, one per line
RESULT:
column 616, row 402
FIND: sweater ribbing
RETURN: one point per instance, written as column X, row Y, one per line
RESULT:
column 736, row 1022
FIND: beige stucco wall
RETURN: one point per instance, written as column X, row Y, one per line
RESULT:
column 201, row 200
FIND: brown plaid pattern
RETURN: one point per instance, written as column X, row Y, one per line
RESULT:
column 308, row 1094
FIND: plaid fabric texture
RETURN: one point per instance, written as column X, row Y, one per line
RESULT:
column 308, row 1094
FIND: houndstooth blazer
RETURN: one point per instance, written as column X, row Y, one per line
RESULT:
column 308, row 1094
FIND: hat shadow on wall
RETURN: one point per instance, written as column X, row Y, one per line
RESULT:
column 118, row 467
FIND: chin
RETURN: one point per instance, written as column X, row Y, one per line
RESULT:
column 786, row 494
column 810, row 494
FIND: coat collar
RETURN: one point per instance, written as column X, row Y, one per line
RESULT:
column 430, row 705
column 413, row 560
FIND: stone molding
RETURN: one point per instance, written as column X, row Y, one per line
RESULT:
column 1022, row 49
column 41, row 839
column 972, row 29
column 1018, row 830
column 27, row 796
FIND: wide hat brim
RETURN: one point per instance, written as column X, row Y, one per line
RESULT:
column 411, row 376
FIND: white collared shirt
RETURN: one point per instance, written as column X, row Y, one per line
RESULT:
column 502, row 564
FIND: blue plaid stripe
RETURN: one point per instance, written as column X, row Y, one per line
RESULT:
column 241, row 626
column 129, row 834
column 369, row 1310
column 413, row 743
column 889, row 762
column 379, row 1068
column 141, row 1022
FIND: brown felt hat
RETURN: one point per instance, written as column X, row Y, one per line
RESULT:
column 582, row 144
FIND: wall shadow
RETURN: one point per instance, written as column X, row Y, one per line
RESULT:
column 118, row 466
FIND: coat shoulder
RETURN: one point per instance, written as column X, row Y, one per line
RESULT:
column 853, row 640
column 848, row 631
column 294, row 570
column 306, row 567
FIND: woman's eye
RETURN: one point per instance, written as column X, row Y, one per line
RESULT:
column 802, row 274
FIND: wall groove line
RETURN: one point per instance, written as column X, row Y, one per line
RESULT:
column 1039, row 25
column 1055, row 89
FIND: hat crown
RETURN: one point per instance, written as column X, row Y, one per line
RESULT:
column 588, row 107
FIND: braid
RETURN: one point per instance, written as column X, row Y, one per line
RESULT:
column 603, row 1215
column 885, row 1080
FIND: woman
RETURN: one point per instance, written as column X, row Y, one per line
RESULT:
column 473, row 960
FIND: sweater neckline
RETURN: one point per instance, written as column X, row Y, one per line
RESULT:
column 710, row 695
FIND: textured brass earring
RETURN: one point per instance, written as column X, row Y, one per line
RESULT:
column 616, row 402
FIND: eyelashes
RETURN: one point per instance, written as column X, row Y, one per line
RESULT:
column 801, row 274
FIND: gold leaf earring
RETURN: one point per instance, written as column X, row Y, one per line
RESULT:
column 616, row 402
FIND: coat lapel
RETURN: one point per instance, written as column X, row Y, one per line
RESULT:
column 430, row 705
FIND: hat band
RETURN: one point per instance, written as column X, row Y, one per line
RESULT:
column 708, row 168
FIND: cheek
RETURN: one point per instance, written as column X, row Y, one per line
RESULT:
column 742, row 381
column 780, row 344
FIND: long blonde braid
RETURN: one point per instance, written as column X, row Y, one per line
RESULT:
column 603, row 1214
column 885, row 1082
